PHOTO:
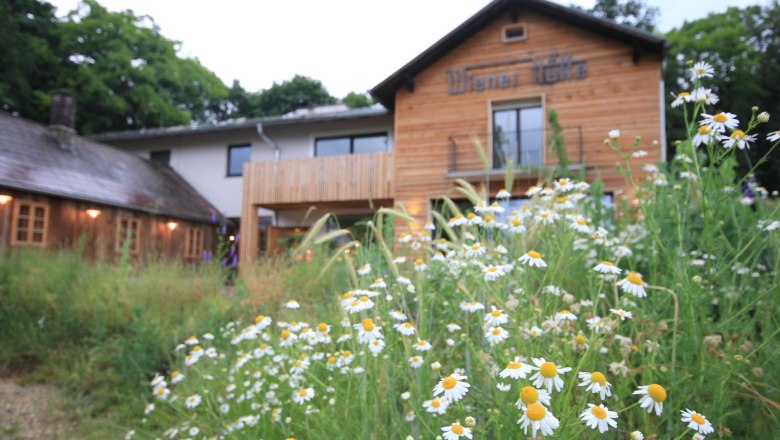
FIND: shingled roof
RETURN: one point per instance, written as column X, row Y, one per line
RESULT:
column 33, row 159
column 384, row 92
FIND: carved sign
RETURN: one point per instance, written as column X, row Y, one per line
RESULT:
column 544, row 71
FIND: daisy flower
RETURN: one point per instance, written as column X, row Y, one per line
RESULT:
column 565, row 315
column 473, row 219
column 653, row 397
column 405, row 328
column 681, row 98
column 419, row 265
column 580, row 224
column 456, row 431
column 436, row 406
column 161, row 392
column 547, row 376
column 547, row 217
column 539, row 419
column 720, row 121
column 453, row 387
column 496, row 335
column 457, row 220
column 422, row 345
column 596, row 383
column 633, row 284
column 303, row 395
column 474, row 251
column 471, row 306
column 287, row 338
column 773, row 136
column 516, row 226
column 704, row 136
column 607, row 268
column 429, row 226
column 453, row 327
column 599, row 417
column 368, row 331
column 530, row 395
column 516, row 370
column 614, row 134
column 503, row 194
column 739, row 139
column 622, row 314
column 704, row 96
column 496, row 317
column 193, row 401
column 359, row 305
column 378, row 283
column 701, row 70
column 491, row 272
column 415, row 361
column 176, row 377
column 697, row 422
column 533, row 259
column 292, row 304
column 364, row 269
column 398, row 315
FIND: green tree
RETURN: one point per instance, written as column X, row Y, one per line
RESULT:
column 29, row 68
column 357, row 100
column 743, row 45
column 634, row 13
column 300, row 91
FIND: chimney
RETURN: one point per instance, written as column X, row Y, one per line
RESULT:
column 62, row 121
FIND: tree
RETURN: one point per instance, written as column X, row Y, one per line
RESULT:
column 632, row 13
column 357, row 100
column 300, row 91
column 743, row 45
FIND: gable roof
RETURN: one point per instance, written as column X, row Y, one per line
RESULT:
column 32, row 159
column 384, row 92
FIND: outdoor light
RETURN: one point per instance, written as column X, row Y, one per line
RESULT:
column 93, row 213
column 172, row 225
column 5, row 198
column 232, row 238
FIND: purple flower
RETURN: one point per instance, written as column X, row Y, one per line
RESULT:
column 223, row 231
column 213, row 218
column 238, row 237
column 234, row 263
column 224, row 262
column 207, row 256
column 232, row 251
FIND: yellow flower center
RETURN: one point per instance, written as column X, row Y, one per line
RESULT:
column 581, row 221
column 683, row 94
column 565, row 312
column 738, row 134
column 331, row 360
column 599, row 412
column 346, row 295
column 548, row 370
column 376, row 342
column 322, row 327
column 720, row 117
column 408, row 324
column 544, row 214
column 416, row 359
column 457, row 429
column 346, row 353
column 492, row 269
column 175, row 374
column 656, row 392
column 470, row 216
column 161, row 391
column 449, row 383
column 580, row 339
column 534, row 254
column 286, row 334
column 303, row 392
column 496, row 332
column 363, row 267
column 607, row 263
column 435, row 403
column 598, row 378
column 368, row 325
column 495, row 313
column 259, row 318
column 419, row 262
column 263, row 346
column 535, row 412
column 475, row 247
column 513, row 365
column 298, row 363
column 561, row 200
column 488, row 218
column 355, row 303
column 634, row 278
column 421, row 343
column 698, row 419
column 517, row 222
column 364, row 298
column 529, row 395
column 703, row 129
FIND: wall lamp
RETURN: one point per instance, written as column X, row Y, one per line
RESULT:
column 5, row 198
column 93, row 213
column 172, row 225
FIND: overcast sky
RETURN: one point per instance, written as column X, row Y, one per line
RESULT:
column 349, row 45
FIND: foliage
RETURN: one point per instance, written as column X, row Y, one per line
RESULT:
column 633, row 13
column 357, row 100
column 743, row 45
column 558, row 144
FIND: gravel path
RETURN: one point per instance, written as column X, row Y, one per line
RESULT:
column 32, row 412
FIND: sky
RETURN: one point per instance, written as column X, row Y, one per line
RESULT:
column 349, row 45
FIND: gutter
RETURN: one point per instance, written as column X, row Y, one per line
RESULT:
column 266, row 139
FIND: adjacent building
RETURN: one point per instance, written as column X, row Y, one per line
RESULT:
column 61, row 191
column 468, row 107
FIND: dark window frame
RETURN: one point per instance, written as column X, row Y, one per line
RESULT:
column 518, row 108
column 229, row 153
column 152, row 153
column 352, row 138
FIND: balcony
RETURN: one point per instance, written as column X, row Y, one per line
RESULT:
column 485, row 155
column 319, row 180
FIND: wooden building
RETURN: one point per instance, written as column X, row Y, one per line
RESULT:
column 61, row 191
column 490, row 84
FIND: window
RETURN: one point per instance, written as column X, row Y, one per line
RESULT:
column 365, row 143
column 193, row 246
column 162, row 157
column 518, row 135
column 30, row 223
column 129, row 234
column 237, row 155
column 513, row 32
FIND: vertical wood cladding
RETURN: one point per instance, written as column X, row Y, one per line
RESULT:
column 592, row 82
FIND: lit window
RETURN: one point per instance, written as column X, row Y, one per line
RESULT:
column 366, row 143
column 30, row 223
column 193, row 246
column 518, row 135
column 129, row 234
column 237, row 155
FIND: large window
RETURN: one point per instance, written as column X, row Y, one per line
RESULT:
column 364, row 143
column 129, row 234
column 30, row 223
column 237, row 155
column 518, row 135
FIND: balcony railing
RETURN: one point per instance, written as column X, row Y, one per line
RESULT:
column 523, row 151
column 351, row 177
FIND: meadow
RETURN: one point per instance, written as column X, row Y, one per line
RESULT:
column 559, row 316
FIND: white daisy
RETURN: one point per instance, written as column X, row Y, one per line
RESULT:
column 303, row 395
column 515, row 370
column 607, row 268
column 704, row 135
column 720, row 121
column 739, row 139
column 436, row 406
column 773, row 136
column 701, row 70
column 415, row 361
column 422, row 345
column 364, row 269
column 533, row 259
column 653, row 397
column 599, row 417
column 471, row 306
column 453, row 387
column 539, row 419
column 405, row 328
column 547, row 376
column 529, row 395
column 633, row 284
column 516, row 226
column 496, row 335
column 697, row 422
column 622, row 314
column 456, row 431
column 565, row 315
column 596, row 383
column 193, row 401
column 681, row 98
column 503, row 194
column 492, row 272
column 368, row 331
column 495, row 317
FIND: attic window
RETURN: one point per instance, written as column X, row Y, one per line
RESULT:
column 514, row 32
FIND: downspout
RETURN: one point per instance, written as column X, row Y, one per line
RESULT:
column 265, row 138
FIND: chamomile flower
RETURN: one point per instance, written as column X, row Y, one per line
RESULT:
column 565, row 315
column 360, row 304
column 599, row 417
column 516, row 226
column 456, row 431
column 622, row 314
column 193, row 401
column 471, row 306
column 491, row 272
column 580, row 224
column 419, row 265
column 681, row 98
column 653, row 397
column 697, row 422
column 436, row 406
column 503, row 194
column 422, row 345
column 533, row 259
column 701, row 70
column 704, row 135
column 596, row 383
column 539, row 419
column 303, row 395
column 548, row 374
column 292, row 304
column 473, row 219
column 364, row 269
column 496, row 335
column 495, row 317
column 475, row 250
column 633, row 284
column 457, row 220
column 529, row 395
column 453, row 387
column 773, row 136
column 161, row 392
column 368, row 331
column 607, row 268
column 287, row 338
column 176, row 377
column 515, row 370
column 149, row 408
column 720, row 122
column 376, row 346
column 405, row 328
column 614, row 134
column 415, row 361
column 739, row 139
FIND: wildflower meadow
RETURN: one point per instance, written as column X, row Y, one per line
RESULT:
column 559, row 315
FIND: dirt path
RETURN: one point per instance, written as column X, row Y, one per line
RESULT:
column 32, row 412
